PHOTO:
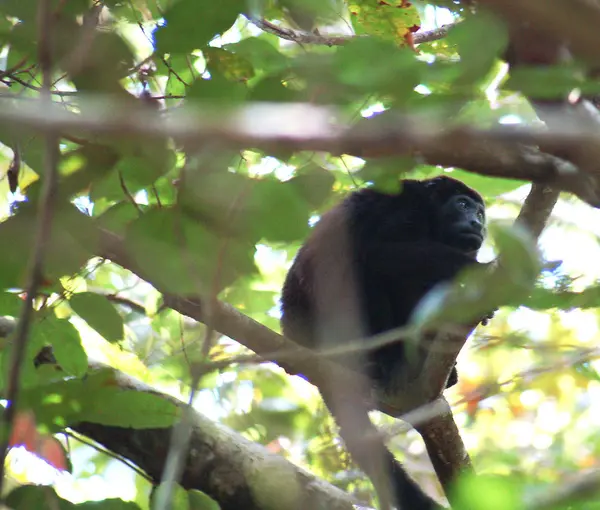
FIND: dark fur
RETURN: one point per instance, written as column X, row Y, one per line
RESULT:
column 364, row 268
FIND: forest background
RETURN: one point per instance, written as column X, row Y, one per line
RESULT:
column 162, row 161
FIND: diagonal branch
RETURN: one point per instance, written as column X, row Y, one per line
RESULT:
column 442, row 438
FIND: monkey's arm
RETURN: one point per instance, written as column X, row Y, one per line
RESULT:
column 396, row 276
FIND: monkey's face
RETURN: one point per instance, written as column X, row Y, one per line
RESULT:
column 462, row 223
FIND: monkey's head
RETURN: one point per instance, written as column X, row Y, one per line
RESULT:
column 460, row 221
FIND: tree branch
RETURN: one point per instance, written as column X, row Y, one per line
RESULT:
column 440, row 433
column 581, row 488
column 233, row 470
column 221, row 463
column 40, row 242
column 300, row 37
column 499, row 152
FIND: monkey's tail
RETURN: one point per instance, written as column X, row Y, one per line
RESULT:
column 394, row 486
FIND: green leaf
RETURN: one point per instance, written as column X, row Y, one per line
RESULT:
column 108, row 504
column 217, row 89
column 476, row 291
column 71, row 243
column 489, row 492
column 140, row 172
column 10, row 304
column 546, row 299
column 28, row 11
column 549, row 82
column 249, row 300
column 359, row 64
column 135, row 173
column 261, row 54
column 180, row 72
column 272, row 89
column 45, row 330
column 179, row 254
column 314, row 184
column 58, row 402
column 200, row 501
column 99, row 313
column 119, row 9
column 139, row 166
column 66, row 345
column 28, row 497
column 392, row 19
column 85, row 166
column 481, row 40
column 249, row 209
column 115, row 407
column 117, row 217
column 307, row 14
column 489, row 187
column 232, row 66
column 279, row 211
column 192, row 24
column 101, row 74
column 385, row 174
column 518, row 258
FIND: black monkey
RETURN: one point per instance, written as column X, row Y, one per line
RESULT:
column 365, row 267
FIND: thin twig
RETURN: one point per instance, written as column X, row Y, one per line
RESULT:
column 127, row 194
column 83, row 440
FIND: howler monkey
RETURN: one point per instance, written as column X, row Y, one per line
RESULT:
column 365, row 267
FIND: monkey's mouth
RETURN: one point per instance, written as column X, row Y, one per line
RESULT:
column 470, row 240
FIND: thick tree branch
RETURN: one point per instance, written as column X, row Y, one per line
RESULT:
column 498, row 152
column 537, row 209
column 445, row 448
column 231, row 469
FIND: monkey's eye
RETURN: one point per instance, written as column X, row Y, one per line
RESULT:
column 480, row 216
column 462, row 204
